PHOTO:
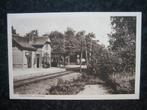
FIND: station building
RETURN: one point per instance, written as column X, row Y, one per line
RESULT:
column 31, row 52
column 35, row 51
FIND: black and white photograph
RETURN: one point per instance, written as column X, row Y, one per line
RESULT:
column 74, row 55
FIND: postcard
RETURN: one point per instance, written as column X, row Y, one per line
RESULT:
column 74, row 55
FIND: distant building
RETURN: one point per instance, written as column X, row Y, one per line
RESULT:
column 31, row 52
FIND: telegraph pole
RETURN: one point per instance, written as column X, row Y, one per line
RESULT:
column 86, row 53
column 81, row 56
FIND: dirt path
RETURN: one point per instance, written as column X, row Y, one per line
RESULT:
column 93, row 90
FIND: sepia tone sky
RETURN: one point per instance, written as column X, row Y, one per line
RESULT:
column 45, row 23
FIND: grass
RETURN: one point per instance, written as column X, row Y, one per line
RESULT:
column 122, row 83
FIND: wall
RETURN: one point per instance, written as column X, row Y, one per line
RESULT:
column 19, row 58
column 46, row 49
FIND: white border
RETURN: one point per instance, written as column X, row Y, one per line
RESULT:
column 78, row 97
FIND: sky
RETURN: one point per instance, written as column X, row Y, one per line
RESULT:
column 45, row 23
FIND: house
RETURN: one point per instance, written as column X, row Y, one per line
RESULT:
column 31, row 51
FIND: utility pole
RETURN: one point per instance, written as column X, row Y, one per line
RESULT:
column 91, row 50
column 64, row 49
column 86, row 53
column 81, row 56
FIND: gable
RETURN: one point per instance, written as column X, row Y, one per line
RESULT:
column 26, row 43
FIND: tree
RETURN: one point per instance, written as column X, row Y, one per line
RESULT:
column 89, row 45
column 57, row 41
column 122, row 41
column 33, row 33
column 81, row 37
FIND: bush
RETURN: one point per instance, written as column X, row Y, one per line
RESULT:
column 122, row 83
column 67, row 87
column 74, row 86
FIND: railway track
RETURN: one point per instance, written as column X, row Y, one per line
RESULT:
column 18, row 83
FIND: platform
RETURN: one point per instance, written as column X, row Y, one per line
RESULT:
column 75, row 67
column 19, row 74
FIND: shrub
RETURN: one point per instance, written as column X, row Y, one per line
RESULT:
column 74, row 86
column 122, row 83
column 67, row 87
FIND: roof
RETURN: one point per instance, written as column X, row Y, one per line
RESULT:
column 26, row 43
column 22, row 43
column 41, row 40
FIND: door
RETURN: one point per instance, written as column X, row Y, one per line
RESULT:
column 37, row 60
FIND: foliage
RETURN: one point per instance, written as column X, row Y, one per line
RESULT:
column 122, row 41
column 117, row 64
column 33, row 33
column 122, row 83
column 57, row 41
column 75, row 86
column 72, row 42
column 67, row 87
